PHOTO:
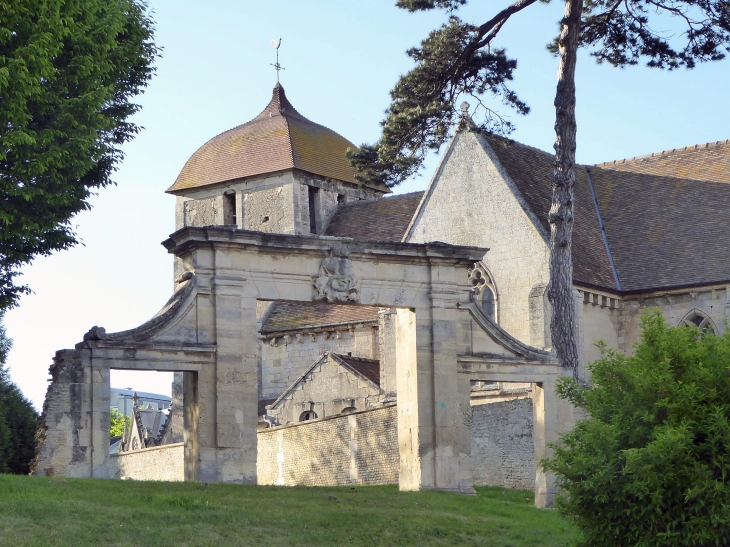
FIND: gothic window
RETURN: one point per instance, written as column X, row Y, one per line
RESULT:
column 699, row 319
column 308, row 415
column 484, row 290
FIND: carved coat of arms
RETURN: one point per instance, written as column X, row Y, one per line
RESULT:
column 335, row 282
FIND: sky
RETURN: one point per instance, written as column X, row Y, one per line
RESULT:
column 340, row 59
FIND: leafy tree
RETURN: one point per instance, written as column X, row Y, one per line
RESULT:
column 117, row 420
column 68, row 72
column 460, row 59
column 17, row 419
column 650, row 463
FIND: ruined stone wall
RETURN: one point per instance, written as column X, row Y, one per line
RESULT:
column 286, row 358
column 502, row 449
column 474, row 203
column 161, row 463
column 66, row 417
column 358, row 448
column 675, row 305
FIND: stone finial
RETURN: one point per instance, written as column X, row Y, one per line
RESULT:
column 464, row 108
column 95, row 333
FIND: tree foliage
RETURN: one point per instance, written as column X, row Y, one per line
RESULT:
column 17, row 419
column 117, row 420
column 650, row 465
column 68, row 72
column 460, row 60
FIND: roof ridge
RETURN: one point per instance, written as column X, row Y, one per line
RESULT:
column 662, row 153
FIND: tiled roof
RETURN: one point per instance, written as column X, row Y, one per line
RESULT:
column 709, row 162
column 662, row 231
column 279, row 138
column 284, row 316
column 532, row 170
column 384, row 219
column 369, row 368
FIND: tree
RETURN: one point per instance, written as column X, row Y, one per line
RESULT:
column 18, row 419
column 117, row 421
column 68, row 72
column 650, row 463
column 460, row 59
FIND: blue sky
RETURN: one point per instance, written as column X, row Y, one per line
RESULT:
column 340, row 59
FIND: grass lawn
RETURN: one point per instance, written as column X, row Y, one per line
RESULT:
column 81, row 512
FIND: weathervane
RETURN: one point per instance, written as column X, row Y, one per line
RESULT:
column 277, row 66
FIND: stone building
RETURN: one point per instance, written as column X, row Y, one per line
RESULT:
column 300, row 290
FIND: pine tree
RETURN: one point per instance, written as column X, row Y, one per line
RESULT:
column 459, row 59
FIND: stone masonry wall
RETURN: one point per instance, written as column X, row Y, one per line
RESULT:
column 712, row 301
column 474, row 203
column 66, row 415
column 270, row 210
column 502, row 449
column 161, row 463
column 358, row 448
column 284, row 360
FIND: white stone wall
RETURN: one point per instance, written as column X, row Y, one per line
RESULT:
column 359, row 448
column 161, row 463
column 284, row 360
column 599, row 323
column 502, row 448
column 270, row 210
column 472, row 202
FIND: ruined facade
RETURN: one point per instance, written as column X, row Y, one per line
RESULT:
column 294, row 285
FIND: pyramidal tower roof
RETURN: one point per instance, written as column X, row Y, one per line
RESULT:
column 278, row 139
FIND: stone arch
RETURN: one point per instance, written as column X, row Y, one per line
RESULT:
column 697, row 318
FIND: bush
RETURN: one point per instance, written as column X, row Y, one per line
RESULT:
column 650, row 464
column 116, row 423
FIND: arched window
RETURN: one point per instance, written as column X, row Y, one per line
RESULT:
column 699, row 319
column 484, row 290
column 308, row 415
column 348, row 409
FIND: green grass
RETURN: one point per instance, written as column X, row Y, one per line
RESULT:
column 80, row 512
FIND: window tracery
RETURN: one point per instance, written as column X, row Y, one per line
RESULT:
column 699, row 319
column 482, row 285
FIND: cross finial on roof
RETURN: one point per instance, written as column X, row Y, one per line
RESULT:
column 276, row 65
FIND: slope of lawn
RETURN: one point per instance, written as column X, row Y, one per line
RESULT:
column 83, row 512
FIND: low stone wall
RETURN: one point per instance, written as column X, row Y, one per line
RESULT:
column 502, row 449
column 357, row 448
column 161, row 463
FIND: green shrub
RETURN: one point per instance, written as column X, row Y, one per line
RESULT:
column 650, row 464
column 116, row 423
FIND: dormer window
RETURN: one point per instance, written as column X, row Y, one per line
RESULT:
column 699, row 319
column 484, row 290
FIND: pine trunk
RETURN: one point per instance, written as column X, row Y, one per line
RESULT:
column 560, row 290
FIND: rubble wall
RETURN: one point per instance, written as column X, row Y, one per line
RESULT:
column 358, row 448
column 502, row 449
column 161, row 463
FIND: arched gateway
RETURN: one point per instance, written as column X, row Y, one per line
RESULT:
column 208, row 330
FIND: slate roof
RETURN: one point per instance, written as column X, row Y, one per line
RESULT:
column 279, row 138
column 384, row 219
column 709, row 162
column 369, row 368
column 285, row 316
column 532, row 170
column 662, row 231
